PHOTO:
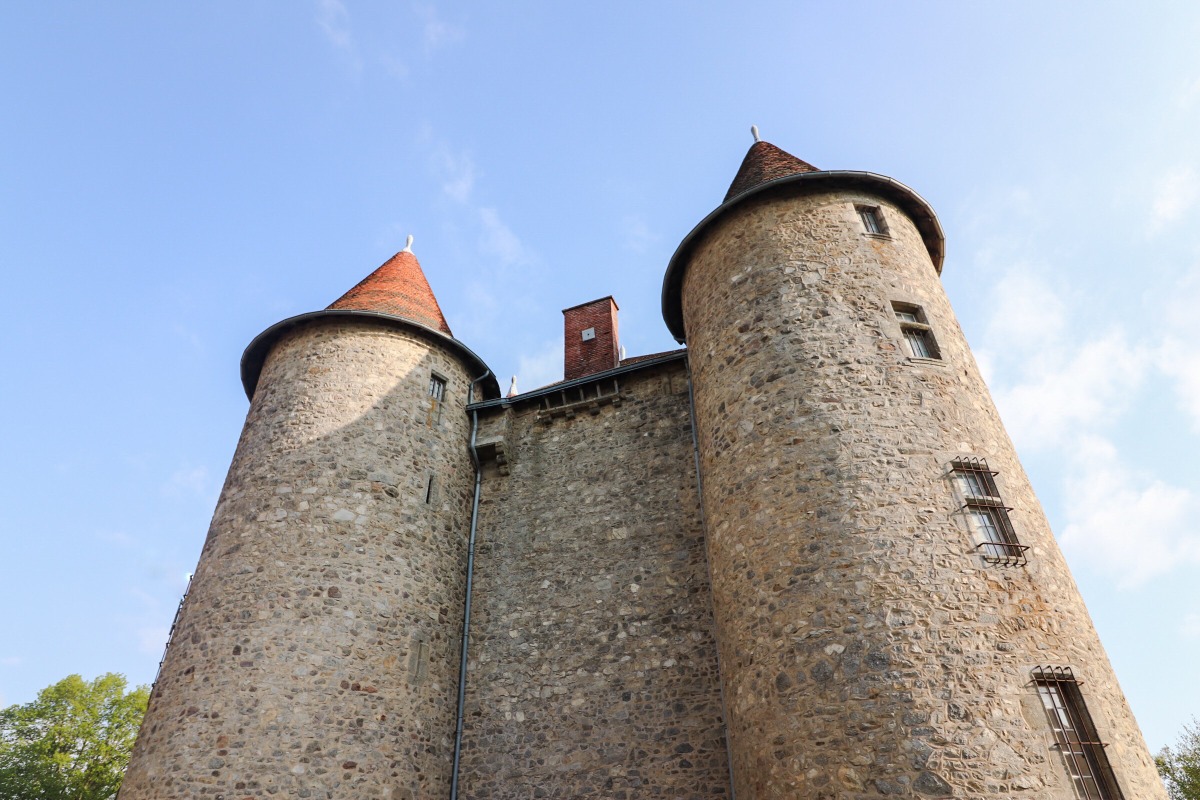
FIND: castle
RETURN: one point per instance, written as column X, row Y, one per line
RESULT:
column 797, row 559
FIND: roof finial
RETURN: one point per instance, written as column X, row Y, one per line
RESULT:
column 754, row 130
column 512, row 389
column 407, row 245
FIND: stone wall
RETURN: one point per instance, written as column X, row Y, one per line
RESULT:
column 593, row 669
column 317, row 653
column 868, row 648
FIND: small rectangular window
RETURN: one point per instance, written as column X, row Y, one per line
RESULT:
column 872, row 220
column 437, row 387
column 986, row 513
column 918, row 336
column 1075, row 735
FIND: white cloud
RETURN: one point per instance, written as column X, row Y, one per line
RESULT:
column 540, row 368
column 1130, row 525
column 1190, row 93
column 498, row 239
column 1028, row 312
column 1066, row 391
column 1191, row 626
column 1174, row 195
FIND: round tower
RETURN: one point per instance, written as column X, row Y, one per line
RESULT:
column 316, row 654
column 894, row 616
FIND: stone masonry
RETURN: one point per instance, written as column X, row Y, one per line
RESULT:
column 797, row 559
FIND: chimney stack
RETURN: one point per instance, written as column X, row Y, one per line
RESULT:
column 591, row 345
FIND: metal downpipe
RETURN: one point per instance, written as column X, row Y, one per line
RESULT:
column 466, row 627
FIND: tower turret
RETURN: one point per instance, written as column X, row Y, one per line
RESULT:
column 894, row 616
column 317, row 651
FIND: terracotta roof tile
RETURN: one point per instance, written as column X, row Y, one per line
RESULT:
column 398, row 288
column 763, row 162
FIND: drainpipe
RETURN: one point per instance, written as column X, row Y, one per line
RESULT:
column 708, row 565
column 466, row 627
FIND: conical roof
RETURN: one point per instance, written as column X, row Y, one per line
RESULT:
column 398, row 288
column 763, row 162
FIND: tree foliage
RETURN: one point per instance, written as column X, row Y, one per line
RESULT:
column 1180, row 766
column 73, row 741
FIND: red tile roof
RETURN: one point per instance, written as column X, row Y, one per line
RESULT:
column 398, row 288
column 762, row 163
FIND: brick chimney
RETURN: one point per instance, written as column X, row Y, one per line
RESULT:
column 591, row 338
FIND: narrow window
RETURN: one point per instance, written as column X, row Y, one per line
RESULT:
column 986, row 513
column 437, row 387
column 1075, row 734
column 429, row 489
column 437, row 394
column 872, row 220
column 418, row 661
column 918, row 336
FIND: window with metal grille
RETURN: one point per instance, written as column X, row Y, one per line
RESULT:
column 918, row 336
column 1075, row 735
column 872, row 220
column 437, row 387
column 986, row 513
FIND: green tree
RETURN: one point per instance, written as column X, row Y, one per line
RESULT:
column 1180, row 767
column 72, row 742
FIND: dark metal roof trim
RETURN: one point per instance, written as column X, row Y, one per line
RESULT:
column 678, row 355
column 256, row 354
column 912, row 203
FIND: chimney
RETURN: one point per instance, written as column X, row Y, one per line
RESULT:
column 591, row 338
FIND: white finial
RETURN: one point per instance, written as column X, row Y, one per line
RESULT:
column 754, row 130
column 621, row 352
column 512, row 389
column 407, row 245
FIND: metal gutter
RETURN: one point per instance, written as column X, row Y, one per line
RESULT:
column 571, row 384
column 256, row 353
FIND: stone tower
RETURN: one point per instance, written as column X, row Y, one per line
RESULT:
column 317, row 653
column 893, row 615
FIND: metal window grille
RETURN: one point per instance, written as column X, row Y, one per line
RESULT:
column 437, row 387
column 1075, row 734
column 919, row 343
column 986, row 513
column 871, row 220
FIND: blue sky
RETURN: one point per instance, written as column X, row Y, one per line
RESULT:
column 177, row 177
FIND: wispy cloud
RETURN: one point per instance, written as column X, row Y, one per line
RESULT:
column 436, row 32
column 1174, row 195
column 188, row 480
column 456, row 172
column 10, row 661
column 334, row 21
column 498, row 240
column 1191, row 626
column 152, row 639
column 637, row 234
column 541, row 367
column 119, row 538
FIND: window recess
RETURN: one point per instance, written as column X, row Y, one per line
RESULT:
column 1075, row 734
column 872, row 220
column 986, row 513
column 437, row 395
column 918, row 335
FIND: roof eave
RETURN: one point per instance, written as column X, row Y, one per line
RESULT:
column 913, row 204
column 256, row 353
